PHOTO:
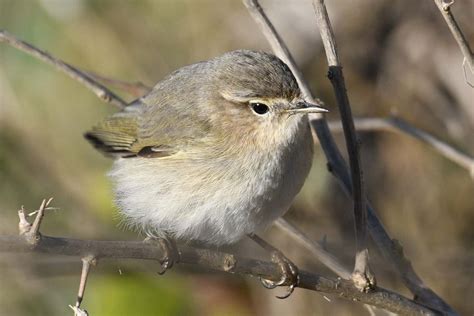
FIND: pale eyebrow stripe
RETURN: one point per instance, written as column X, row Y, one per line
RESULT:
column 240, row 97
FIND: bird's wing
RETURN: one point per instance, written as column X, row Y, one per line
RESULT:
column 148, row 131
column 165, row 121
column 117, row 136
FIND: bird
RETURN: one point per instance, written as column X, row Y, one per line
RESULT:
column 216, row 151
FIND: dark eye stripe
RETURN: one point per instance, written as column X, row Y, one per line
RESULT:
column 259, row 108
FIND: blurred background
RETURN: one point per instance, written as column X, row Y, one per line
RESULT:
column 399, row 58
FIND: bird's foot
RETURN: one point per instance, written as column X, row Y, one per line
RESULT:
column 289, row 274
column 170, row 252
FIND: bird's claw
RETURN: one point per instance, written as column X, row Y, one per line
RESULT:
column 170, row 253
column 289, row 274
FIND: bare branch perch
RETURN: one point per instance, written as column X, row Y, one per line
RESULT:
column 102, row 92
column 212, row 260
column 445, row 9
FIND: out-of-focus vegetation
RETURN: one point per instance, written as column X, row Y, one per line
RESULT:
column 397, row 56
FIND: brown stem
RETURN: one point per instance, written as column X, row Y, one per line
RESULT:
column 102, row 92
column 394, row 124
column 213, row 260
column 445, row 9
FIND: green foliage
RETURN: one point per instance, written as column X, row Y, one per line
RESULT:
column 138, row 294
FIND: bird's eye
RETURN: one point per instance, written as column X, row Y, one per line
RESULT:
column 259, row 108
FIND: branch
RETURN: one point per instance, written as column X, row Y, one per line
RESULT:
column 282, row 51
column 91, row 251
column 100, row 91
column 323, row 256
column 136, row 89
column 337, row 166
column 279, row 48
column 361, row 274
column 445, row 9
column 213, row 260
column 398, row 125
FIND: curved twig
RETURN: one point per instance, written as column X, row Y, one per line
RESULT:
column 395, row 124
column 100, row 91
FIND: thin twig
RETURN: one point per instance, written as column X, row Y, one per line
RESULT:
column 101, row 91
column 394, row 124
column 213, row 260
column 338, row 168
column 323, row 256
column 87, row 262
column 390, row 248
column 136, row 89
column 361, row 274
column 31, row 231
column 445, row 9
column 318, row 251
column 39, row 217
column 279, row 48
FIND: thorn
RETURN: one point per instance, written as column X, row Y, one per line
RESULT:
column 87, row 262
column 23, row 226
column 33, row 233
column 46, row 209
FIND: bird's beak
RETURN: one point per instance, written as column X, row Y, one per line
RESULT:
column 303, row 107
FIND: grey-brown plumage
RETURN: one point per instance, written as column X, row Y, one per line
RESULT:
column 216, row 150
column 175, row 118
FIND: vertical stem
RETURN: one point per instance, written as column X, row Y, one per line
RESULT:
column 86, row 265
column 336, row 76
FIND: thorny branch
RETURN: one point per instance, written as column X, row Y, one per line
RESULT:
column 390, row 249
column 91, row 250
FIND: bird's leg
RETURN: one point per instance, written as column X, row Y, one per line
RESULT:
column 289, row 271
column 170, row 250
